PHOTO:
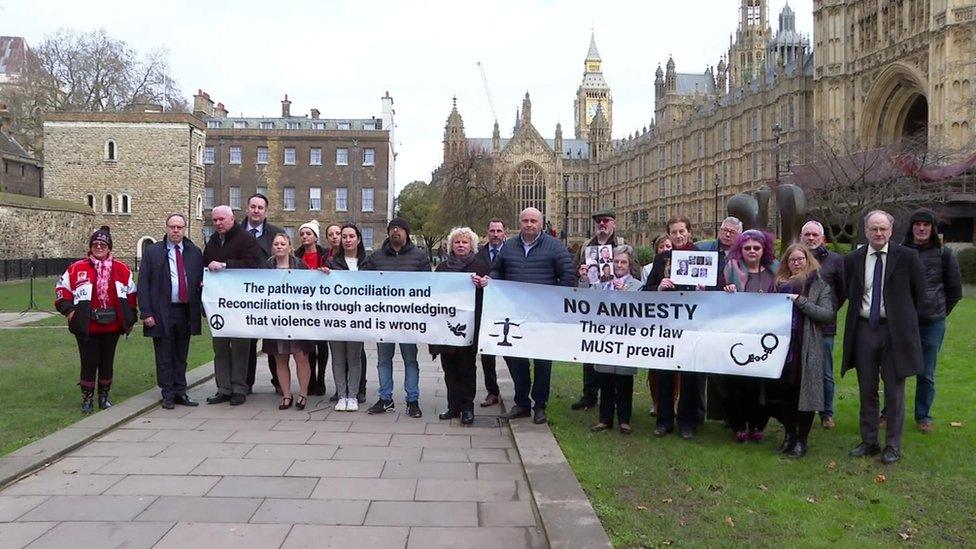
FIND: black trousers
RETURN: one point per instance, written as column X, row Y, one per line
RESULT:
column 318, row 359
column 252, row 365
column 591, row 383
column 794, row 421
column 362, row 378
column 460, row 373
column 689, row 400
column 491, row 376
column 97, row 359
column 171, row 353
column 743, row 408
column 616, row 394
column 873, row 361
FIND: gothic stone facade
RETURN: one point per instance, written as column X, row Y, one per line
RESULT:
column 131, row 168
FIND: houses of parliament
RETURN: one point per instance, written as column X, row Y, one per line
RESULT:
column 876, row 71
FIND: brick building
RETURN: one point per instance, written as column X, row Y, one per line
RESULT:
column 131, row 168
column 309, row 167
column 20, row 173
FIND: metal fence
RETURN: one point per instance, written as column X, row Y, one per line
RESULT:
column 20, row 269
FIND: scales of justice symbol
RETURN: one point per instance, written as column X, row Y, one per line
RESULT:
column 506, row 327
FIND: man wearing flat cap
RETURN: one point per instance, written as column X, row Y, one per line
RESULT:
column 605, row 223
column 397, row 254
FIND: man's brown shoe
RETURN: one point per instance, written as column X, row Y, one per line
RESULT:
column 924, row 427
column 828, row 422
column 491, row 400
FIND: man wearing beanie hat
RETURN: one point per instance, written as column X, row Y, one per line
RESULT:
column 943, row 289
column 398, row 254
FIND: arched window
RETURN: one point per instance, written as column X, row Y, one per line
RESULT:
column 530, row 188
column 142, row 246
column 125, row 204
column 199, row 206
column 199, row 155
column 90, row 200
column 108, row 204
column 111, row 154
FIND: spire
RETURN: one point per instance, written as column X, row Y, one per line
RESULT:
column 593, row 54
column 518, row 122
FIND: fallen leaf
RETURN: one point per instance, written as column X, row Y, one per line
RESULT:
column 715, row 487
column 831, row 465
column 848, row 526
column 641, row 508
column 905, row 536
column 667, row 542
column 763, row 487
column 837, row 497
column 880, row 478
column 688, row 488
column 730, row 522
column 628, row 473
column 70, row 471
column 955, row 424
column 666, row 500
column 811, row 500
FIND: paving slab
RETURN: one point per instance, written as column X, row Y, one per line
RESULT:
column 119, row 449
column 444, row 471
column 422, row 513
column 292, row 451
column 350, row 439
column 12, row 507
column 466, row 490
column 492, row 442
column 270, row 437
column 507, row 513
column 339, row 469
column 473, row 455
column 150, row 466
column 308, row 511
column 162, row 423
column 75, row 466
column 305, row 536
column 375, row 489
column 309, row 426
column 62, row 485
column 390, row 427
column 185, row 436
column 206, row 449
column 88, row 508
column 500, row 471
column 509, row 538
column 243, row 467
column 126, row 435
column 377, row 453
column 431, row 441
column 103, row 534
column 238, row 536
column 200, row 509
column 263, row 487
column 162, row 485
column 19, row 534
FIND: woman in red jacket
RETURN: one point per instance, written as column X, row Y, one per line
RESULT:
column 98, row 296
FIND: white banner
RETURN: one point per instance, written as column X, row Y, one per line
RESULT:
column 394, row 307
column 743, row 334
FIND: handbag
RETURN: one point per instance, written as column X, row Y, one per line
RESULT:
column 103, row 315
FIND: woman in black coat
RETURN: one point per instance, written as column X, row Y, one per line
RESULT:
column 459, row 362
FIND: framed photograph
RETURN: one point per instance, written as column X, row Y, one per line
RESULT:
column 692, row 268
column 606, row 254
column 592, row 255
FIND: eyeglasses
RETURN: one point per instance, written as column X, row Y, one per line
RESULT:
column 728, row 231
column 796, row 260
column 604, row 220
column 176, row 227
column 752, row 248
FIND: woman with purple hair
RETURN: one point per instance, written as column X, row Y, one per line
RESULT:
column 751, row 267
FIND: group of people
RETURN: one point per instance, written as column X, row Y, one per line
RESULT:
column 899, row 294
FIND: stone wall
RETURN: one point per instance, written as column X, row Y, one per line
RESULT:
column 49, row 228
column 156, row 170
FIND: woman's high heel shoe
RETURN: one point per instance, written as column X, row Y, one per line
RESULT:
column 285, row 403
column 300, row 403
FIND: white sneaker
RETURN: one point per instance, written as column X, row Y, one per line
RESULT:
column 352, row 405
column 341, row 405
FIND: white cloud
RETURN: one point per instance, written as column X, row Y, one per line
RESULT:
column 341, row 56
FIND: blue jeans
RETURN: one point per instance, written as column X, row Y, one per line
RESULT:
column 519, row 368
column 411, row 370
column 932, row 335
column 828, row 380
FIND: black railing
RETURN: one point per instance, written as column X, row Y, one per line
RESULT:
column 20, row 269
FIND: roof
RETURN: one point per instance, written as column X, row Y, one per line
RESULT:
column 13, row 55
column 576, row 148
column 35, row 203
column 10, row 147
column 295, row 123
column 593, row 55
column 689, row 84
column 125, row 116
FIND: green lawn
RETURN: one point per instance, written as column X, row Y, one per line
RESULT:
column 15, row 295
column 710, row 491
column 39, row 370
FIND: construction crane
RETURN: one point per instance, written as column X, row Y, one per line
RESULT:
column 484, row 80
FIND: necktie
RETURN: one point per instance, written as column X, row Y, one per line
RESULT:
column 492, row 252
column 874, row 318
column 181, row 276
column 254, row 233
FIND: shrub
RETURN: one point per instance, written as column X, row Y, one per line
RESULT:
column 644, row 255
column 967, row 264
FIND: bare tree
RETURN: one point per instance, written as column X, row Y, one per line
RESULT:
column 71, row 71
column 472, row 192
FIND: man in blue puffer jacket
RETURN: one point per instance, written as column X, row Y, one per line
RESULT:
column 536, row 258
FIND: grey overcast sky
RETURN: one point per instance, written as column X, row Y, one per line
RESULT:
column 340, row 56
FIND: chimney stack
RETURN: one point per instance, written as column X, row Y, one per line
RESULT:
column 285, row 107
column 202, row 104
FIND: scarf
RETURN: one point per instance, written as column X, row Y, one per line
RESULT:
column 459, row 264
column 103, row 275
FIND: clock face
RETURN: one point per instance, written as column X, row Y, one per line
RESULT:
column 591, row 110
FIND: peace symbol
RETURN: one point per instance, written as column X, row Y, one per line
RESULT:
column 216, row 322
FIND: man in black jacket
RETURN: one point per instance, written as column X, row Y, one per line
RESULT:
column 606, row 224
column 886, row 285
column 536, row 258
column 943, row 289
column 831, row 272
column 257, row 225
column 487, row 254
column 169, row 304
column 397, row 254
column 230, row 247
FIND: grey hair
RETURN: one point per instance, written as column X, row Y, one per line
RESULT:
column 464, row 232
column 733, row 221
column 820, row 225
column 635, row 268
column 223, row 208
column 891, row 218
column 176, row 214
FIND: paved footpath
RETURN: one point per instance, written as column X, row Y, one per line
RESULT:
column 254, row 476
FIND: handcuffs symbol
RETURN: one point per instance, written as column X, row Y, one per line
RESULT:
column 767, row 350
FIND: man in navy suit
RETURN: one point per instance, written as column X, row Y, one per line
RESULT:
column 487, row 254
column 169, row 294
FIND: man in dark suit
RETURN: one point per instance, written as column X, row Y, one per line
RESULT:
column 169, row 294
column 257, row 225
column 885, row 284
column 487, row 254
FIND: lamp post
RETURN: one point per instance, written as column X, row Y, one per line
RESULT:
column 777, row 130
column 566, row 209
column 717, row 222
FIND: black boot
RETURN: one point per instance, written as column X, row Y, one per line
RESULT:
column 787, row 445
column 103, row 402
column 87, row 402
column 451, row 413
column 467, row 415
column 799, row 449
